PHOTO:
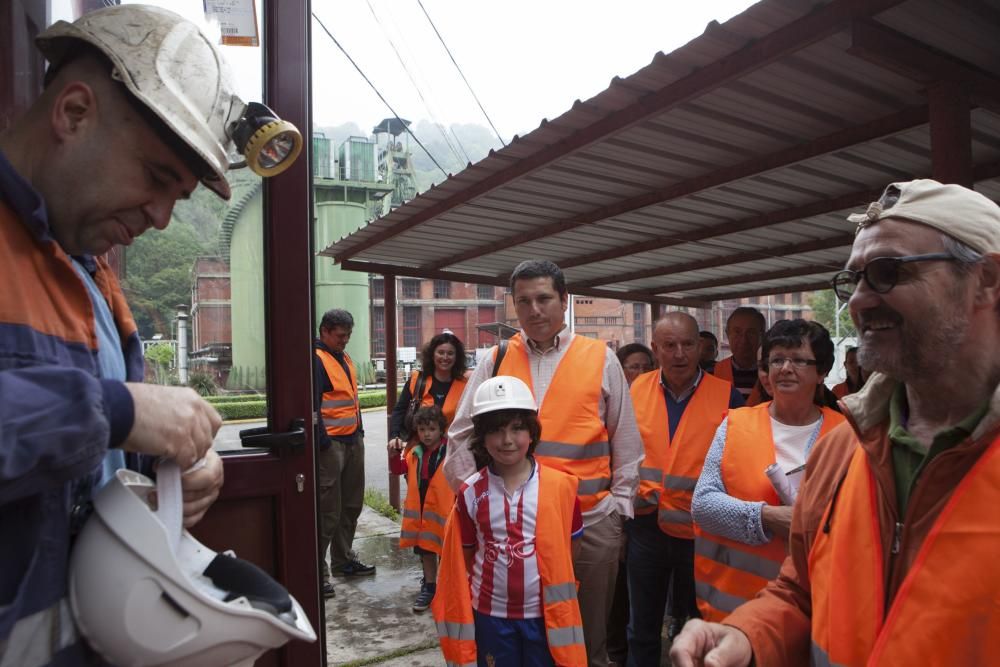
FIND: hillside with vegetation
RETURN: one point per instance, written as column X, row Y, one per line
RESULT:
column 158, row 265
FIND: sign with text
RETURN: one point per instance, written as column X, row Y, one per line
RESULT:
column 237, row 21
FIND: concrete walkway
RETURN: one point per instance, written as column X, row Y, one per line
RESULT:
column 370, row 620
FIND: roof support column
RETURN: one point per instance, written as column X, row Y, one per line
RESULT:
column 951, row 133
column 391, row 381
column 655, row 310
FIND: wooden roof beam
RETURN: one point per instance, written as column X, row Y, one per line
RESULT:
column 916, row 61
column 503, row 280
column 795, row 272
column 820, row 207
column 838, row 241
column 881, row 127
column 784, row 289
column 811, row 28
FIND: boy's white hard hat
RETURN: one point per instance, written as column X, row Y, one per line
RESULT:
column 140, row 599
column 503, row 392
column 171, row 67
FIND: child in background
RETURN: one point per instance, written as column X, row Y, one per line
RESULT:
column 508, row 588
column 429, row 499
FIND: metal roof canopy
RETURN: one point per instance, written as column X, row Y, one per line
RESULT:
column 726, row 168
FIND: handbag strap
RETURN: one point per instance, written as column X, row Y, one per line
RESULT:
column 501, row 351
column 421, row 383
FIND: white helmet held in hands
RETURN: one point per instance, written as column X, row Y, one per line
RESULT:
column 145, row 593
column 175, row 71
column 502, row 392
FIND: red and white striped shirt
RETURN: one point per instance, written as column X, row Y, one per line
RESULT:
column 500, row 526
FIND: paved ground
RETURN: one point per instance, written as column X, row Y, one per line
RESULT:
column 376, row 460
column 370, row 620
column 371, row 617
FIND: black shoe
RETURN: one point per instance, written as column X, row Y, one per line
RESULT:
column 675, row 627
column 354, row 568
column 328, row 591
column 424, row 597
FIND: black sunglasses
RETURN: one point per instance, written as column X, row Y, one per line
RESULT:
column 881, row 274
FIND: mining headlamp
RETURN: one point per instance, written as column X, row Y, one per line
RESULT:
column 268, row 144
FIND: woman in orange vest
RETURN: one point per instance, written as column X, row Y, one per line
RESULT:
column 442, row 378
column 440, row 383
column 741, row 521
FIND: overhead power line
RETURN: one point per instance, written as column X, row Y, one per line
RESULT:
column 467, row 84
column 420, row 93
column 380, row 96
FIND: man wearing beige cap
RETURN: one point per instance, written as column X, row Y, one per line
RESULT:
column 894, row 540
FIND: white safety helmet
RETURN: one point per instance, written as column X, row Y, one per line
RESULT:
column 176, row 72
column 144, row 599
column 503, row 392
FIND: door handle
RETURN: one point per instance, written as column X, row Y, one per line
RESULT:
column 293, row 438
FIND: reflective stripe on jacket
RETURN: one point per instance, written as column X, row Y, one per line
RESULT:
column 672, row 465
column 574, row 437
column 452, row 605
column 340, row 409
column 727, row 572
column 946, row 610
column 424, row 528
column 450, row 401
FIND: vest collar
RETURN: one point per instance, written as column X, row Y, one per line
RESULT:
column 684, row 395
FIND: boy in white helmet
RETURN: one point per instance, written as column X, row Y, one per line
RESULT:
column 507, row 592
column 133, row 116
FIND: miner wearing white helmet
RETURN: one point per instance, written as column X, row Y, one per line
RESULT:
column 137, row 110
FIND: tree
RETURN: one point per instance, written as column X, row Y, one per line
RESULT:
column 158, row 275
column 825, row 304
column 161, row 356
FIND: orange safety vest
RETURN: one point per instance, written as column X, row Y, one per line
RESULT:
column 724, row 371
column 946, row 610
column 425, row 527
column 340, row 409
column 574, row 437
column 452, row 605
column 450, row 401
column 672, row 465
column 727, row 573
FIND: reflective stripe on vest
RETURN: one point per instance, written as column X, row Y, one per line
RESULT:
column 339, row 407
column 452, row 606
column 425, row 527
column 728, row 572
column 680, row 458
column 650, row 474
column 945, row 612
column 576, row 440
column 716, row 599
column 819, row 658
column 36, row 639
column 450, row 400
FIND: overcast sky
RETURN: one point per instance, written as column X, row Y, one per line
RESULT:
column 525, row 59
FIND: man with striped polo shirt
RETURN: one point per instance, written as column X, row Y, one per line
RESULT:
column 744, row 330
column 588, row 430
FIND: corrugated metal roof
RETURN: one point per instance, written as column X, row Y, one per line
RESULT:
column 725, row 168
